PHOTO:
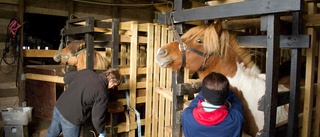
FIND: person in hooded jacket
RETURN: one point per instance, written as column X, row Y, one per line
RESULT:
column 215, row 112
column 86, row 95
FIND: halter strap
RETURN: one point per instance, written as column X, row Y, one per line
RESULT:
column 183, row 47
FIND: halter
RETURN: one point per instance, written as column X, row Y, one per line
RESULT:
column 66, row 55
column 183, row 47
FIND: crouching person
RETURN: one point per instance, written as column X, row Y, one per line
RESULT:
column 86, row 95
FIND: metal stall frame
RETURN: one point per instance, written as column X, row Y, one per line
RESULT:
column 270, row 18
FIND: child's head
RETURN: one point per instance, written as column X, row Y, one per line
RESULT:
column 215, row 88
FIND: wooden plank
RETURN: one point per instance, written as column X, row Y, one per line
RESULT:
column 46, row 11
column 2, row 45
column 4, row 14
column 9, row 1
column 8, row 85
column 3, row 36
column 47, row 78
column 132, row 126
column 310, row 65
column 139, row 100
column 317, row 113
column 165, row 92
column 133, row 71
column 9, row 92
column 218, row 2
column 7, row 77
column 155, row 107
column 149, row 72
column 39, row 53
column 168, row 113
column 312, row 20
column 9, row 7
column 156, row 82
column 9, row 102
column 161, row 116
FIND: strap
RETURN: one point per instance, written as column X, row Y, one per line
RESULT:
column 137, row 113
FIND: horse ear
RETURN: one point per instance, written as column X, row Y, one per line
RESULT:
column 82, row 45
column 218, row 27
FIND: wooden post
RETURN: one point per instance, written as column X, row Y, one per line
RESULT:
column 309, row 80
column 273, row 53
column 294, row 81
column 21, row 77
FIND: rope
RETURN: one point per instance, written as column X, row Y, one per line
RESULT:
column 11, row 47
column 136, row 112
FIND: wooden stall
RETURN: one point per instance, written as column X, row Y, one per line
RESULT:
column 310, row 119
column 138, row 45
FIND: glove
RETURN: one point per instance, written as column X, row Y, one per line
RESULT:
column 103, row 134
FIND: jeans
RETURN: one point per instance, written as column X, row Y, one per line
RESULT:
column 60, row 124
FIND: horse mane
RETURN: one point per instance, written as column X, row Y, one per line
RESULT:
column 75, row 46
column 218, row 40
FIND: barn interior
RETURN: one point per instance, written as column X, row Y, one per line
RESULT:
column 129, row 33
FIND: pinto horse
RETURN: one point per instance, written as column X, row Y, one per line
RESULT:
column 210, row 48
column 74, row 54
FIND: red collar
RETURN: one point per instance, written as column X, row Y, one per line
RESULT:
column 209, row 118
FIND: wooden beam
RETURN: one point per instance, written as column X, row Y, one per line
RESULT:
column 312, row 20
column 9, row 1
column 218, row 2
column 39, row 53
column 309, row 80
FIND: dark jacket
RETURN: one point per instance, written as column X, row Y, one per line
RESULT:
column 86, row 94
column 231, row 125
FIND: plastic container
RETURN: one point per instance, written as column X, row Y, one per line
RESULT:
column 17, row 115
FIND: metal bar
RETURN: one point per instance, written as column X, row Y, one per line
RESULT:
column 89, row 48
column 248, row 8
column 273, row 53
column 286, row 41
column 177, row 103
column 115, row 43
column 295, row 73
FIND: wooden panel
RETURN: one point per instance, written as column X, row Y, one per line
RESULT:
column 8, row 92
column 9, row 1
column 41, row 95
column 149, row 80
column 7, row 14
column 310, row 67
column 39, row 53
column 9, row 101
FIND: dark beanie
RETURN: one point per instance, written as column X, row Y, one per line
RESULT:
column 215, row 97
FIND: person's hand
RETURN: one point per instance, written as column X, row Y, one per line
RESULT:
column 103, row 134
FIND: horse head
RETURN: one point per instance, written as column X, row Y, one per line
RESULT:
column 74, row 54
column 219, row 48
column 68, row 55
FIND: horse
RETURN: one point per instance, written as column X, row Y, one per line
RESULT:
column 210, row 48
column 74, row 54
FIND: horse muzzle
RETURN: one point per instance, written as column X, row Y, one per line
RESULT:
column 161, row 58
column 57, row 58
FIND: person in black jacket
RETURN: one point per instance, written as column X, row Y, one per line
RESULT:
column 86, row 94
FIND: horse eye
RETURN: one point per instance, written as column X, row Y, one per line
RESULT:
column 199, row 41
